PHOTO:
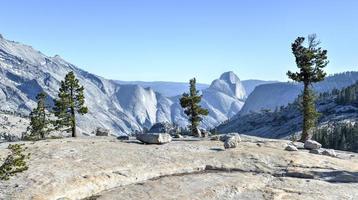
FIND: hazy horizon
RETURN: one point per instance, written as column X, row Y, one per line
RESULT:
column 177, row 40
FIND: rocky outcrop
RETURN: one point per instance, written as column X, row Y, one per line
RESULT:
column 106, row 168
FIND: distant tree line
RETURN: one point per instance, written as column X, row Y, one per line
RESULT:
column 341, row 136
column 348, row 95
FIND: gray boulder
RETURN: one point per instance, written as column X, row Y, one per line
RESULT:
column 329, row 152
column 123, row 137
column 178, row 136
column 311, row 144
column 154, row 138
column 316, row 151
column 101, row 131
column 215, row 137
column 204, row 133
column 231, row 142
column 299, row 145
column 224, row 137
column 164, row 127
column 291, row 147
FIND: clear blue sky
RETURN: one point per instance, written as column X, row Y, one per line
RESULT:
column 174, row 40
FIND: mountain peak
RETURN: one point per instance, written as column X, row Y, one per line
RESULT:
column 230, row 77
column 230, row 84
column 57, row 56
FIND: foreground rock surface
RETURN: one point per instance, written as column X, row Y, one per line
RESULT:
column 107, row 168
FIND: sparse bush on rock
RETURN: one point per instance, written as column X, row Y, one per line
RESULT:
column 14, row 162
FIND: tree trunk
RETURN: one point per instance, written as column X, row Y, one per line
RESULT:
column 305, row 104
column 44, row 123
column 73, row 115
column 73, row 122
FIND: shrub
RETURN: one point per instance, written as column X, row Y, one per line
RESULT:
column 14, row 162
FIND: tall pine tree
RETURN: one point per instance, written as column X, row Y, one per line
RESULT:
column 70, row 101
column 190, row 102
column 310, row 60
column 39, row 119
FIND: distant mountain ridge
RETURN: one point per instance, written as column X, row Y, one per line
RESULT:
column 271, row 96
column 251, row 84
column 171, row 89
column 122, row 108
column 284, row 122
column 168, row 89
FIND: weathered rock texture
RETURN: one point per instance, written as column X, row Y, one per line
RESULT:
column 311, row 144
column 154, row 138
column 112, row 169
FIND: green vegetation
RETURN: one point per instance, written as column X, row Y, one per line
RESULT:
column 39, row 120
column 348, row 96
column 14, row 162
column 70, row 101
column 190, row 102
column 342, row 136
column 310, row 60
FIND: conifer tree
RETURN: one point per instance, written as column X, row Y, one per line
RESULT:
column 70, row 101
column 310, row 60
column 190, row 102
column 39, row 119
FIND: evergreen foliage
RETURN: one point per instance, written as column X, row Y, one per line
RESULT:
column 190, row 102
column 39, row 119
column 341, row 136
column 70, row 101
column 310, row 60
column 14, row 162
column 348, row 95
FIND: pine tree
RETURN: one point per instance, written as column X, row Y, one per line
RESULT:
column 310, row 60
column 70, row 101
column 190, row 102
column 39, row 119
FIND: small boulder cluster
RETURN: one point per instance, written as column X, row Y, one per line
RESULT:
column 101, row 131
column 231, row 140
column 313, row 147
